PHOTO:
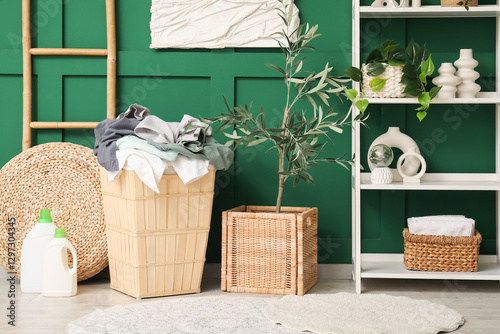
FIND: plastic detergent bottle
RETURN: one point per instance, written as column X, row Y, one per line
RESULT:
column 32, row 252
column 58, row 280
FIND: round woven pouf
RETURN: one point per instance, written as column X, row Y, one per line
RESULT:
column 64, row 178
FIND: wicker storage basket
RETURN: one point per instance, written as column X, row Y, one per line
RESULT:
column 157, row 242
column 266, row 252
column 441, row 253
column 454, row 3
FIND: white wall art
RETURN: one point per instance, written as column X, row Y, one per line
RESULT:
column 217, row 23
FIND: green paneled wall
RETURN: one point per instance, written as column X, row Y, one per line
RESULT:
column 176, row 82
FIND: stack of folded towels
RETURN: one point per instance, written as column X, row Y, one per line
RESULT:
column 449, row 225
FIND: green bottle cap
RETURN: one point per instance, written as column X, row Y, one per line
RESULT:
column 60, row 233
column 45, row 216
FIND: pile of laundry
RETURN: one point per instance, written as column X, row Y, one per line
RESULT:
column 139, row 141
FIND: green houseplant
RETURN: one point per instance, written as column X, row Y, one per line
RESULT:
column 297, row 139
column 274, row 249
column 415, row 63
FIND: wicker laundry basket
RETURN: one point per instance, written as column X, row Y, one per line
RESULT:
column 268, row 252
column 157, row 242
column 441, row 253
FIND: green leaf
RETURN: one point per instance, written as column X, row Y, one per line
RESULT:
column 412, row 50
column 299, row 67
column 434, row 91
column 362, row 105
column 311, row 100
column 296, row 80
column 375, row 69
column 425, row 100
column 374, row 56
column 409, row 71
column 232, row 136
column 427, row 67
column 353, row 73
column 388, row 47
column 377, row 84
column 351, row 93
column 421, row 115
column 336, row 129
column 423, row 78
column 277, row 68
column 257, row 142
column 396, row 62
column 412, row 90
column 262, row 118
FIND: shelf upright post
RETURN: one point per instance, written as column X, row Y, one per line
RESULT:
column 356, row 171
column 497, row 133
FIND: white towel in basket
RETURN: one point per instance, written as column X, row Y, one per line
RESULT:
column 449, row 225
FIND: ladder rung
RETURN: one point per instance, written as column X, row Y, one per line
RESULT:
column 68, row 52
column 63, row 125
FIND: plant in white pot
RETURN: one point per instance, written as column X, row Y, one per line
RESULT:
column 274, row 249
column 390, row 72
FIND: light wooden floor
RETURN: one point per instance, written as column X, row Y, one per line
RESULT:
column 478, row 301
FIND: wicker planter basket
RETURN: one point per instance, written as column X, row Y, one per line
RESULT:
column 454, row 3
column 392, row 88
column 441, row 253
column 268, row 252
column 157, row 242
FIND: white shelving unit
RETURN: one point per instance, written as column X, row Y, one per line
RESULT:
column 391, row 265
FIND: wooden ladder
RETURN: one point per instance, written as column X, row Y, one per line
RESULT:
column 28, row 51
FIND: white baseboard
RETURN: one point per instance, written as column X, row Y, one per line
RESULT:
column 325, row 271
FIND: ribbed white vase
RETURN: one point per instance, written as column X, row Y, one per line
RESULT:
column 466, row 64
column 447, row 80
column 393, row 87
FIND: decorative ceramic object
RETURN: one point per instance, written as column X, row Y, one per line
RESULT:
column 381, row 156
column 393, row 86
column 447, row 80
column 416, row 3
column 466, row 64
column 385, row 3
column 411, row 178
column 394, row 138
column 404, row 3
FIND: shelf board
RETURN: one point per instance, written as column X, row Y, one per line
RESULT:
column 428, row 11
column 435, row 181
column 393, row 267
column 482, row 98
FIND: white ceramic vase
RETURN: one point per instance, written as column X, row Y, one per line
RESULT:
column 381, row 175
column 447, row 80
column 395, row 138
column 466, row 64
column 411, row 178
column 416, row 3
